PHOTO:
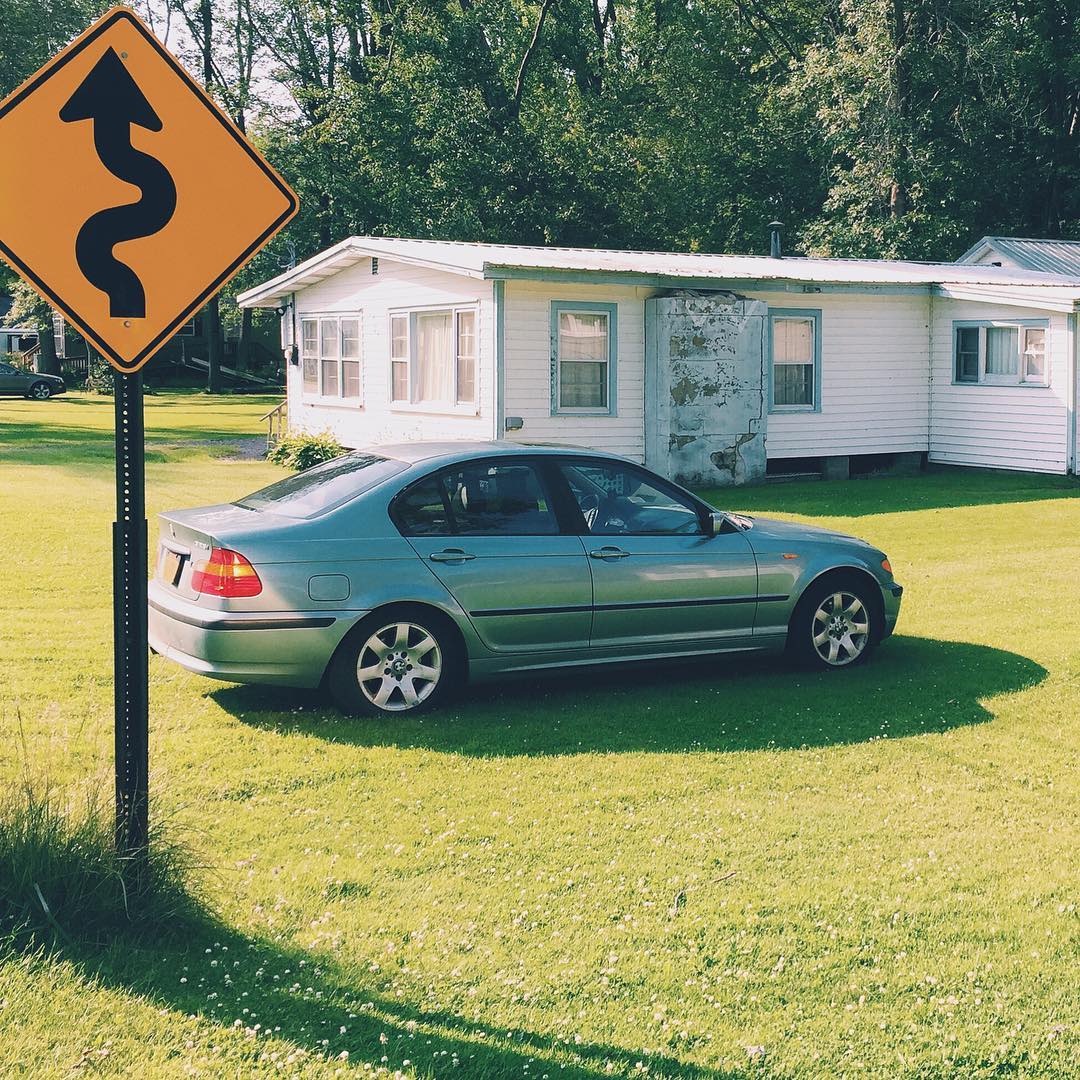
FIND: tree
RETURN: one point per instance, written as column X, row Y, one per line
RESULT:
column 28, row 309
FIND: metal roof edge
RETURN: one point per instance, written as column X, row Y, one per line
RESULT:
column 997, row 294
column 358, row 248
column 976, row 248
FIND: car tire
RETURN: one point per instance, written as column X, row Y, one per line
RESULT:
column 836, row 624
column 413, row 658
column 39, row 391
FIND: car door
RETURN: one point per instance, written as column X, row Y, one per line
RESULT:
column 12, row 380
column 659, row 577
column 489, row 531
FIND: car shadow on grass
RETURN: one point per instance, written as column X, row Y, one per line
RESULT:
column 911, row 686
column 288, row 1000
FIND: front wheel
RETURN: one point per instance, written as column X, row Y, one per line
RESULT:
column 40, row 391
column 394, row 664
column 834, row 625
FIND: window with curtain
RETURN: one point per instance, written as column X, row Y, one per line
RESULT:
column 1001, row 350
column 433, row 357
column 310, row 355
column 1001, row 353
column 794, row 357
column 584, row 343
column 331, row 356
column 466, row 356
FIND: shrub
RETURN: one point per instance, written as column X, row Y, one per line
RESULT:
column 303, row 450
column 99, row 375
column 61, row 878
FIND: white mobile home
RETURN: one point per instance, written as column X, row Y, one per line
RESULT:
column 706, row 367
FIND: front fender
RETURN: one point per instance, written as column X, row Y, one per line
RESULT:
column 791, row 573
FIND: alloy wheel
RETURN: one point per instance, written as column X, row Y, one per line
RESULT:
column 841, row 628
column 40, row 392
column 399, row 667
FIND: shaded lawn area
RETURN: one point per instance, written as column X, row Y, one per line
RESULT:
column 78, row 427
column 724, row 869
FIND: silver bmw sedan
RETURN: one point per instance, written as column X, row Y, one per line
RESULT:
column 395, row 574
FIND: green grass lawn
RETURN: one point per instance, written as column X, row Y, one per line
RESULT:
column 724, row 870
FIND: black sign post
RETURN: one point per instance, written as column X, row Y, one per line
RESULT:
column 130, row 650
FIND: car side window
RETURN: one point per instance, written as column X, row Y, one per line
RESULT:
column 7, row 369
column 424, row 509
column 478, row 499
column 618, row 499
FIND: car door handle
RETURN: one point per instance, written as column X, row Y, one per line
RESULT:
column 608, row 553
column 451, row 555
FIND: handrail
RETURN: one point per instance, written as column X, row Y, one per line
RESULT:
column 277, row 419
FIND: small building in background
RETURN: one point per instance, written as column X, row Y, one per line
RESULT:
column 1051, row 256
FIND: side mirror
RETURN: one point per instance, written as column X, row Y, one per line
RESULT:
column 716, row 523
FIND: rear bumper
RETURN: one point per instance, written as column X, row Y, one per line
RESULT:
column 891, row 595
column 283, row 648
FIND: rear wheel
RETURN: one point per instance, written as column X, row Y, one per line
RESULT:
column 40, row 391
column 835, row 624
column 400, row 662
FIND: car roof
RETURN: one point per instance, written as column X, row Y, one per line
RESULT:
column 419, row 451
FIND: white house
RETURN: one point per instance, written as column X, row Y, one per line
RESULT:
column 710, row 368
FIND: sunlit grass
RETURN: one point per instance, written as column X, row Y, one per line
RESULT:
column 722, row 870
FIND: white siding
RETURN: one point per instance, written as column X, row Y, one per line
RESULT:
column 375, row 420
column 1003, row 427
column 527, row 353
column 874, row 377
column 993, row 257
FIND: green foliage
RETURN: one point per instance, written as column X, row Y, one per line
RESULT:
column 100, row 374
column 303, row 450
column 61, row 878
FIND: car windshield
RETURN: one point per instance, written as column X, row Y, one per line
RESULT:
column 324, row 487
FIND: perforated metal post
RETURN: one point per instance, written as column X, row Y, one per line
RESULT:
column 130, row 651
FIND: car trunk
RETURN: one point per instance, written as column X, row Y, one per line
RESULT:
column 187, row 536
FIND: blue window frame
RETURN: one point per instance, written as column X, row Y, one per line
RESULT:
column 794, row 360
column 584, row 358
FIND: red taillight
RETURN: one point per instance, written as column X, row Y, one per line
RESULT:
column 225, row 573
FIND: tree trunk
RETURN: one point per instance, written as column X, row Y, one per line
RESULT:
column 243, row 346
column 212, row 333
column 899, row 103
column 47, row 363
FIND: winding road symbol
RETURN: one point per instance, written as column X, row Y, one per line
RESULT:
column 148, row 200
column 113, row 102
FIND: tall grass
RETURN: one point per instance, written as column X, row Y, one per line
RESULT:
column 62, row 880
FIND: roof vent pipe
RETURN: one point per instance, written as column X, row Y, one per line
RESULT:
column 774, row 239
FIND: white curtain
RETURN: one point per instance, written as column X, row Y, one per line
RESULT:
column 434, row 357
column 1001, row 350
column 793, row 341
column 582, row 336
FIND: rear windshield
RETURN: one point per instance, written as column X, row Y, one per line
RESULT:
column 324, row 487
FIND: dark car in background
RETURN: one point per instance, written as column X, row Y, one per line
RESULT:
column 30, row 384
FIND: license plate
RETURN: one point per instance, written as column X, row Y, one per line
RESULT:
column 171, row 566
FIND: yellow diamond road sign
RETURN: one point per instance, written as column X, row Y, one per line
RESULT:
column 147, row 198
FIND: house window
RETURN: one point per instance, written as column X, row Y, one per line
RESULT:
column 186, row 329
column 795, row 360
column 433, row 357
column 1001, row 353
column 330, row 351
column 583, row 357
